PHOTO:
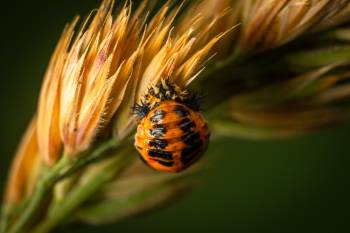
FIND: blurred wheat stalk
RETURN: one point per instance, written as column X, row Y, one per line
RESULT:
column 273, row 69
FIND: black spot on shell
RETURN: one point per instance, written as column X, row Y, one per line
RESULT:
column 160, row 154
column 158, row 116
column 190, row 151
column 188, row 160
column 166, row 163
column 158, row 143
column 181, row 111
column 187, row 125
column 158, row 131
column 191, row 138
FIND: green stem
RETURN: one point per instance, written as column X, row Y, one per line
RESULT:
column 9, row 213
column 43, row 188
column 319, row 57
column 62, row 169
column 229, row 128
column 89, row 157
column 79, row 195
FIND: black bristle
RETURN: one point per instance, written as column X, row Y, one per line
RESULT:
column 140, row 110
column 167, row 90
column 162, row 93
column 193, row 101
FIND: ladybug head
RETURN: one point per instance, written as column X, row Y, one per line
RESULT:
column 163, row 91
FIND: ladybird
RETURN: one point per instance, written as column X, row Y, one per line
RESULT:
column 171, row 134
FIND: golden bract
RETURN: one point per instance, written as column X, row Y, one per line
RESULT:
column 100, row 71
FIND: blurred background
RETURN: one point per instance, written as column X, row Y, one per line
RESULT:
column 295, row 185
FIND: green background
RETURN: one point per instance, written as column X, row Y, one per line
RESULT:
column 297, row 185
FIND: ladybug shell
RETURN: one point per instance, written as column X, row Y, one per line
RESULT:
column 171, row 137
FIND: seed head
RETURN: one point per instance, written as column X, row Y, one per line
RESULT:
column 271, row 23
column 99, row 72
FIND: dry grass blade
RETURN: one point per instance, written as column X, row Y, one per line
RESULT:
column 273, row 23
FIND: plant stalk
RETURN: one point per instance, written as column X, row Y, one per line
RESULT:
column 83, row 192
column 63, row 168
